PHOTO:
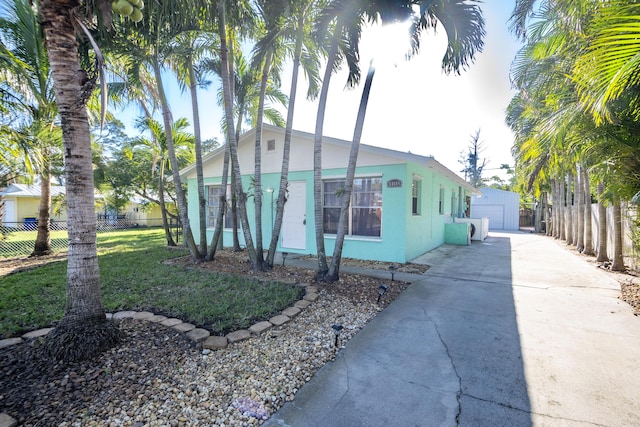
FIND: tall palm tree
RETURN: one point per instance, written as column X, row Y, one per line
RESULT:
column 465, row 38
column 84, row 330
column 26, row 89
column 297, row 28
column 187, row 49
column 602, row 255
column 230, row 131
column 588, row 229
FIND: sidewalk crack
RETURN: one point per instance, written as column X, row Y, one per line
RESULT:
column 453, row 365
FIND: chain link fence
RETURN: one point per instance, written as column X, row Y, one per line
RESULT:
column 17, row 239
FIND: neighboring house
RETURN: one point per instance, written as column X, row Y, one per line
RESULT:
column 400, row 203
column 144, row 213
column 501, row 207
column 22, row 205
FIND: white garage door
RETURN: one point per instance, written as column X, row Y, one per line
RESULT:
column 495, row 213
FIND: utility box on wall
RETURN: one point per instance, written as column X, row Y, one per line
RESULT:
column 457, row 233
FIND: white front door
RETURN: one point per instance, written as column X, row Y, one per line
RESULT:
column 9, row 214
column 294, row 229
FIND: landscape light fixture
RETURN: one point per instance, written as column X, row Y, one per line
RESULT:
column 284, row 257
column 381, row 291
column 393, row 269
column 337, row 328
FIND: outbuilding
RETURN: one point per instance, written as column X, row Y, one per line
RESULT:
column 500, row 206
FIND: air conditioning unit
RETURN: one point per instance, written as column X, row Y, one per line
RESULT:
column 479, row 227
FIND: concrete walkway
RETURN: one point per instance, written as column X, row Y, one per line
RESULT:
column 512, row 331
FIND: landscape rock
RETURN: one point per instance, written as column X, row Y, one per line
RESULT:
column 215, row 343
column 291, row 311
column 311, row 296
column 184, row 327
column 124, row 314
column 239, row 335
column 37, row 333
column 7, row 421
column 302, row 304
column 143, row 315
column 198, row 334
column 260, row 327
column 280, row 319
column 172, row 321
column 9, row 342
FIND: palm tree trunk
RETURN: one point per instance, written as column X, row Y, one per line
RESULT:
column 233, row 148
column 538, row 217
column 43, row 238
column 163, row 206
column 580, row 190
column 545, row 215
column 602, row 225
column 202, row 215
column 576, row 209
column 332, row 57
column 84, row 330
column 343, row 225
column 588, row 227
column 216, row 241
column 234, row 195
column 552, row 207
column 286, row 148
column 258, row 161
column 175, row 168
column 569, row 208
column 562, row 212
column 618, row 259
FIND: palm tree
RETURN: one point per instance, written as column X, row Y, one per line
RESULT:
column 157, row 146
column 230, row 131
column 305, row 52
column 618, row 237
column 602, row 225
column 465, row 38
column 610, row 66
column 187, row 49
column 588, row 229
column 84, row 329
column 26, row 89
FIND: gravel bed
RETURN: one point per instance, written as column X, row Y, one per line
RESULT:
column 158, row 377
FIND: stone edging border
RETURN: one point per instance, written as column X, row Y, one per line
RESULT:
column 199, row 335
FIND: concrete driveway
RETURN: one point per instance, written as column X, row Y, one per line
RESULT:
column 512, row 331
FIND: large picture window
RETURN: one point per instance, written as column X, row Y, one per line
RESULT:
column 365, row 208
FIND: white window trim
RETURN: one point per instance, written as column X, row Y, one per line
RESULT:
column 350, row 217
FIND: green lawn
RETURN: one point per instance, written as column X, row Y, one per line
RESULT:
column 133, row 277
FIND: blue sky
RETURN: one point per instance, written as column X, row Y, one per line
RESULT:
column 413, row 105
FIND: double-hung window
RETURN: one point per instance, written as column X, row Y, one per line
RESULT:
column 213, row 205
column 365, row 207
column 415, row 196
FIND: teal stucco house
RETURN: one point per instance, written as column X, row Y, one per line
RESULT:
column 400, row 205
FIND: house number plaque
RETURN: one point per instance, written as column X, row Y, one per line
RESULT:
column 394, row 183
